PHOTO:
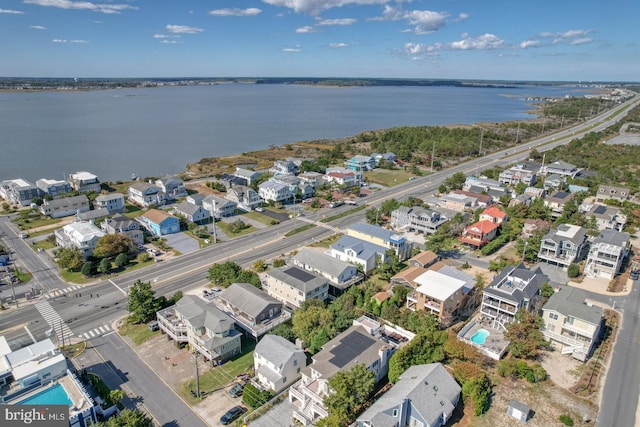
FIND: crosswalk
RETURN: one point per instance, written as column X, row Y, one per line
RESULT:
column 96, row 332
column 53, row 319
column 59, row 292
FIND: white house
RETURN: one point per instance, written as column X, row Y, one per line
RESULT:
column 84, row 182
column 146, row 194
column 81, row 235
column 219, row 207
column 274, row 192
column 277, row 362
column 113, row 202
column 67, row 206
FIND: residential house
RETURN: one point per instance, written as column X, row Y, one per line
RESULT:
column 18, row 191
column 605, row 217
column 271, row 191
column 417, row 219
column 67, row 206
column 341, row 275
column 192, row 213
column 120, row 224
column 479, row 233
column 277, row 363
column 81, row 235
column 521, row 199
column 535, row 192
column 563, row 246
column 84, row 182
column 203, row 326
column 482, row 200
column 252, row 309
column 361, row 163
column 313, row 179
column 458, row 202
column 525, row 173
column 560, row 167
column 438, row 294
column 113, row 202
column 571, row 324
column 556, row 202
column 553, row 182
column 388, row 157
column 533, row 226
column 231, row 180
column 607, row 254
column 247, row 174
column 284, row 168
column 172, row 186
column 219, row 207
column 359, row 252
column 606, row 192
column 424, row 259
column 159, row 223
column 92, row 215
column 482, row 184
column 244, row 197
column 493, row 214
column 146, row 194
column 53, row 187
column 381, row 236
column 196, row 199
column 511, row 290
column 349, row 179
column 424, row 395
column 293, row 285
column 363, row 343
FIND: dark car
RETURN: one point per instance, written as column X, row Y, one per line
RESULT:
column 635, row 275
column 236, row 390
column 232, row 415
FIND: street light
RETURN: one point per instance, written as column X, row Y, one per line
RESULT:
column 524, row 248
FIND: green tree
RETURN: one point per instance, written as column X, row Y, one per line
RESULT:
column 229, row 272
column 259, row 265
column 87, row 269
column 70, row 258
column 285, row 331
column 111, row 245
column 373, row 216
column 524, row 335
column 351, row 389
column 456, row 181
column 573, row 270
column 121, row 260
column 255, row 397
column 143, row 304
column 344, row 311
column 105, row 265
column 279, row 262
column 426, row 347
column 128, row 418
column 546, row 290
column 310, row 318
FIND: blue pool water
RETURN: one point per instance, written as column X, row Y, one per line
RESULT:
column 480, row 336
column 55, row 395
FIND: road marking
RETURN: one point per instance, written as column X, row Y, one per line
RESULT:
column 97, row 332
column 118, row 287
column 30, row 334
column 53, row 319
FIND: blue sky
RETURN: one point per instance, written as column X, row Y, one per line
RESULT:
column 590, row 40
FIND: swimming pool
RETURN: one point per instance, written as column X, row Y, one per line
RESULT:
column 55, row 395
column 480, row 336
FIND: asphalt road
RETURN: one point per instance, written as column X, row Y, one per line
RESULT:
column 86, row 313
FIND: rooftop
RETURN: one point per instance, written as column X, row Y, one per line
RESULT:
column 438, row 285
column 571, row 302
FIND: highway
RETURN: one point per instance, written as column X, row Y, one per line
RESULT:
column 91, row 315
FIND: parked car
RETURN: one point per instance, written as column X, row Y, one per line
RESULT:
column 259, row 209
column 232, row 415
column 236, row 390
column 635, row 275
column 153, row 326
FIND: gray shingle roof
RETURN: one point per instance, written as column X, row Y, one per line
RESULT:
column 187, row 208
column 430, row 390
column 571, row 302
column 322, row 262
column 300, row 279
column 276, row 349
column 94, row 214
column 364, row 250
column 372, row 230
column 612, row 237
column 248, row 298
column 200, row 314
column 529, row 282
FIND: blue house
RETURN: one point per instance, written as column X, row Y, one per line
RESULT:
column 159, row 222
column 361, row 163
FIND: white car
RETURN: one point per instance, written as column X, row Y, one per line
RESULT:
column 259, row 209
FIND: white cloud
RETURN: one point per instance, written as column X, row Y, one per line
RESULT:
column 306, row 30
column 573, row 33
column 461, row 17
column 426, row 21
column 70, row 41
column 252, row 11
column 529, row 43
column 82, row 5
column 166, row 36
column 583, row 40
column 342, row 21
column 483, row 42
column 165, row 41
column 292, row 49
column 338, row 45
column 314, row 7
column 37, row 27
column 183, row 29
column 11, row 12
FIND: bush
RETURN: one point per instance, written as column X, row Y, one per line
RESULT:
column 87, row 269
column 566, row 420
column 513, row 368
column 254, row 397
column 573, row 271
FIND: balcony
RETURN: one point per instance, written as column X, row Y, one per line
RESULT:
column 579, row 331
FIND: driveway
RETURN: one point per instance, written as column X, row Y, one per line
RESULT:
column 557, row 276
column 182, row 243
column 280, row 415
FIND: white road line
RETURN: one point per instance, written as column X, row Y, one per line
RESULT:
column 119, row 288
column 30, row 334
column 93, row 334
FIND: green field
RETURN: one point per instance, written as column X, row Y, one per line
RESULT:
column 388, row 177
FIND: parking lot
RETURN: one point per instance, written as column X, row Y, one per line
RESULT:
column 182, row 243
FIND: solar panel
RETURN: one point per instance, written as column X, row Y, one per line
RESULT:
column 350, row 347
column 600, row 209
column 299, row 274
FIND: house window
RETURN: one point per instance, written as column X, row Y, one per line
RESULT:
column 569, row 320
column 553, row 316
column 395, row 412
column 295, row 362
column 413, row 422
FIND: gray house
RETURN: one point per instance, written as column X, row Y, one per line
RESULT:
column 58, row 208
column 341, row 275
column 219, row 207
column 425, row 395
column 192, row 213
column 251, row 308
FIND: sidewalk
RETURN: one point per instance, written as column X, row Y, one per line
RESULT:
column 599, row 286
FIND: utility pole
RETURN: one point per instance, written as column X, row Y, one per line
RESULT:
column 544, row 122
column 433, row 153
column 562, row 122
column 195, row 358
column 213, row 217
column 518, row 133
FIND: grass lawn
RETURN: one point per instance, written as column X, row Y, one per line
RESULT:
column 74, row 277
column 220, row 376
column 44, row 244
column 22, row 276
column 138, row 333
column 387, row 177
column 343, row 214
column 257, row 216
column 325, row 243
column 299, row 229
column 35, row 222
column 226, row 228
column 133, row 211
